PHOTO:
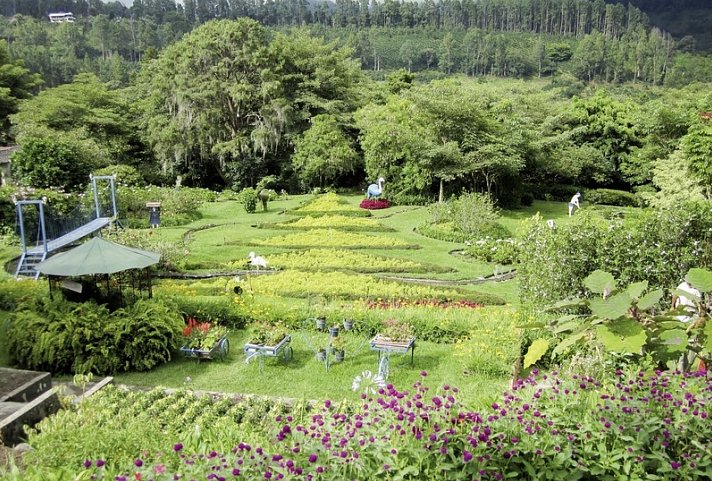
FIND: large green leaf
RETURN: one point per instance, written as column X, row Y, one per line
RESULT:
column 612, row 307
column 636, row 289
column 700, row 279
column 650, row 299
column 624, row 336
column 566, row 326
column 600, row 281
column 675, row 340
column 537, row 349
column 564, row 345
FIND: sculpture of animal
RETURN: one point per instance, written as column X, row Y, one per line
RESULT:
column 257, row 261
column 375, row 190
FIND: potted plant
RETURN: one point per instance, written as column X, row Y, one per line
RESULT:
column 320, row 323
column 348, row 324
column 266, row 333
column 334, row 331
column 396, row 330
column 204, row 339
column 338, row 346
column 321, row 354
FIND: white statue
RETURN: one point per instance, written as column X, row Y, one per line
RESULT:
column 375, row 190
column 574, row 203
column 257, row 261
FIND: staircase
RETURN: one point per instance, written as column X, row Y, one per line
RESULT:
column 28, row 261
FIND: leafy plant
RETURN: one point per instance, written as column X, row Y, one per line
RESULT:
column 248, row 197
column 202, row 335
column 266, row 333
column 64, row 337
column 624, row 321
column 396, row 330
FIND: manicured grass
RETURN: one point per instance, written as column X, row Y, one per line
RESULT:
column 305, row 376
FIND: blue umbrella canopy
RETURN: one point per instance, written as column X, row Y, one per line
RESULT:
column 97, row 256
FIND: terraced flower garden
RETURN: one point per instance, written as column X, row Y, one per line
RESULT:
column 342, row 263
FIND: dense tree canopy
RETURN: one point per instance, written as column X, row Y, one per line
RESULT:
column 222, row 104
column 16, row 82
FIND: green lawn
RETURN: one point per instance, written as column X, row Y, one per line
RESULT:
column 305, row 376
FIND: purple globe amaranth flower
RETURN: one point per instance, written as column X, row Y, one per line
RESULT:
column 88, row 464
column 313, row 458
column 138, row 463
column 177, row 447
column 100, row 463
column 467, row 456
column 675, row 465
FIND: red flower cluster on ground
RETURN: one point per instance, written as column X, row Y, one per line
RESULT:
column 381, row 304
column 373, row 204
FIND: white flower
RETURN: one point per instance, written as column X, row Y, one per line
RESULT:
column 368, row 383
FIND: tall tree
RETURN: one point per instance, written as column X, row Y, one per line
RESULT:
column 16, row 83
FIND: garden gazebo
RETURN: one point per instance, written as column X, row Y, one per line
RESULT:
column 121, row 267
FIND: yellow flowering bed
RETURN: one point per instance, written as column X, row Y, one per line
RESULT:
column 341, row 259
column 494, row 342
column 341, row 222
column 333, row 238
column 330, row 204
column 339, row 285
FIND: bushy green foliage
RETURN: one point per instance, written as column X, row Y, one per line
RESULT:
column 52, row 162
column 612, row 197
column 172, row 252
column 65, row 337
column 125, row 174
column 501, row 251
column 657, row 246
column 15, row 294
column 248, row 197
column 466, row 218
column 178, row 205
column 624, row 320
column 212, row 308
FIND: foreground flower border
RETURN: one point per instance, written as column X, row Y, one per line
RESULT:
column 652, row 426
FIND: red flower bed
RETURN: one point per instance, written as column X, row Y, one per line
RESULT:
column 373, row 204
column 422, row 303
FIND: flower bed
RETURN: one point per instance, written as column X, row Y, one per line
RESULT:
column 374, row 204
column 333, row 238
column 642, row 426
column 329, row 204
column 341, row 222
column 342, row 259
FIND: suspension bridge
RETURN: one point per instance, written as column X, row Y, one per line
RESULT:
column 52, row 231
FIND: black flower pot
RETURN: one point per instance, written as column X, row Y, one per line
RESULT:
column 334, row 331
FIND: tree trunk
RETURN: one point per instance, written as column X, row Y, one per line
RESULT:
column 442, row 191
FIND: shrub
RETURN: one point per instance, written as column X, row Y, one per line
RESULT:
column 527, row 199
column 64, row 337
column 612, row 197
column 219, row 309
column 52, row 162
column 501, row 251
column 248, row 197
column 125, row 174
column 657, row 246
column 469, row 217
column 16, row 294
